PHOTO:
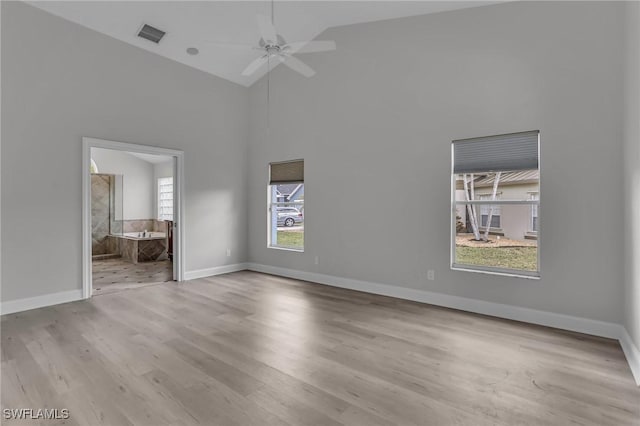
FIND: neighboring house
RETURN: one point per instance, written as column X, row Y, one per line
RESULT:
column 288, row 193
column 516, row 222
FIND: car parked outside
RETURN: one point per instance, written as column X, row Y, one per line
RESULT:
column 289, row 216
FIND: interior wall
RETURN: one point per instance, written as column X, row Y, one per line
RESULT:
column 632, row 172
column 375, row 126
column 164, row 169
column 138, row 186
column 60, row 82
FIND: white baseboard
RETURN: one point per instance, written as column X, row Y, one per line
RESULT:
column 13, row 306
column 218, row 270
column 549, row 319
column 632, row 353
column 19, row 305
column 517, row 313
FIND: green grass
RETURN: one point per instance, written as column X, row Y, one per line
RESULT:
column 291, row 239
column 521, row 258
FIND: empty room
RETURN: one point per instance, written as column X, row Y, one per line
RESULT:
column 320, row 213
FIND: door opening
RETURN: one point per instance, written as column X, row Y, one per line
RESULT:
column 132, row 216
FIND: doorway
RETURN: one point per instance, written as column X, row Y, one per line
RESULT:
column 132, row 216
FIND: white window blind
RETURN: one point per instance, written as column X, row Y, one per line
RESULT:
column 165, row 198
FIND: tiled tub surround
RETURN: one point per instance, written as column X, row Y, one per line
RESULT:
column 143, row 249
column 140, row 225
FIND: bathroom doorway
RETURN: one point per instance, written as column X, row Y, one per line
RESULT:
column 131, row 216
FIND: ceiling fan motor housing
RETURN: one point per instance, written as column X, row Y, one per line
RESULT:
column 279, row 43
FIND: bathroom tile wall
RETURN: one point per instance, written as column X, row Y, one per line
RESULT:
column 160, row 226
column 138, row 225
column 100, row 213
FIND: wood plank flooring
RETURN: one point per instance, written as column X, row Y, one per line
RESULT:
column 254, row 349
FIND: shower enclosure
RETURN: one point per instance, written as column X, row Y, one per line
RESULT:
column 106, row 215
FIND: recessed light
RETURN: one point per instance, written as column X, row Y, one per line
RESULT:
column 192, row 51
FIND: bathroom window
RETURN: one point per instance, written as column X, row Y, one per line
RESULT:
column 286, row 206
column 165, row 198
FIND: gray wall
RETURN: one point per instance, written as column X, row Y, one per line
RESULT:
column 632, row 172
column 61, row 82
column 138, row 184
column 375, row 126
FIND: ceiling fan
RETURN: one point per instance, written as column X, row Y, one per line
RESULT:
column 275, row 47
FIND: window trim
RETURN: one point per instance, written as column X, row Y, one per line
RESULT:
column 514, row 273
column 270, row 205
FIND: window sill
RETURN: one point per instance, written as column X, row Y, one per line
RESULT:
column 482, row 229
column 503, row 273
column 297, row 250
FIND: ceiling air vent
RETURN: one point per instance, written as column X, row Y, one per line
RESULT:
column 151, row 34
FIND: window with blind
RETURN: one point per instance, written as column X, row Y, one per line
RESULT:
column 487, row 209
column 534, row 212
column 165, row 198
column 496, row 204
column 286, row 205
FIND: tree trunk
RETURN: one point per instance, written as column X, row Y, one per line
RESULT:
column 471, row 208
column 493, row 198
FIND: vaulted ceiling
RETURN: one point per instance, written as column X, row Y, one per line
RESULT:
column 194, row 23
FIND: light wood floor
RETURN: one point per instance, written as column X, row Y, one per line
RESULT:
column 253, row 349
column 117, row 274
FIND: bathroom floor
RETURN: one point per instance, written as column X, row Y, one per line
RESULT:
column 111, row 275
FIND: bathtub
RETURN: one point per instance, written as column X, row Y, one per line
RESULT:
column 136, row 248
column 149, row 235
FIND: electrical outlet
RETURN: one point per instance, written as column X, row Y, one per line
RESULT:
column 228, row 252
column 431, row 275
column 317, row 260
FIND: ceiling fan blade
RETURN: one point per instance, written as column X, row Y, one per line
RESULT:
column 312, row 46
column 255, row 65
column 267, row 30
column 297, row 65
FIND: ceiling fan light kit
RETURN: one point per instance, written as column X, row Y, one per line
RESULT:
column 274, row 47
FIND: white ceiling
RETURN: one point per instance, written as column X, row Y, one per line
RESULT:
column 151, row 158
column 192, row 23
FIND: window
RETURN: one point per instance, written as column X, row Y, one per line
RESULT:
column 165, row 198
column 496, row 198
column 489, row 210
column 286, row 206
column 534, row 212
